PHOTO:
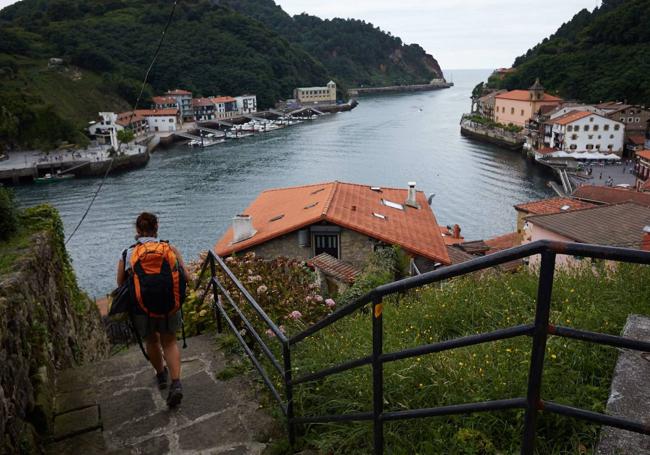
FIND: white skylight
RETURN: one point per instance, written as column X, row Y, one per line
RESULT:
column 565, row 207
column 379, row 215
column 392, row 204
column 376, row 188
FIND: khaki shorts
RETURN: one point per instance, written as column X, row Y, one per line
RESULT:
column 146, row 325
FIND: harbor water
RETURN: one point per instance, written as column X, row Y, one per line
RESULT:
column 388, row 140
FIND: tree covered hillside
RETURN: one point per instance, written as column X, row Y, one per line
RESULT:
column 354, row 51
column 596, row 56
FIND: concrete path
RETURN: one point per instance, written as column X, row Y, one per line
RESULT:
column 114, row 407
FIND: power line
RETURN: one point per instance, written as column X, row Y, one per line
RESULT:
column 135, row 106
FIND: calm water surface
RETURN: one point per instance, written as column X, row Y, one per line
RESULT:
column 387, row 141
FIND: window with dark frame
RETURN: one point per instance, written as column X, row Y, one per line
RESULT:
column 326, row 243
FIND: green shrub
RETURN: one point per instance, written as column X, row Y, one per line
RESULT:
column 8, row 213
column 384, row 265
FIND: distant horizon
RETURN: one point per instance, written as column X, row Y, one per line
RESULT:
column 479, row 34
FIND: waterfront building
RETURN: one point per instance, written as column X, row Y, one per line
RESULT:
column 635, row 118
column 517, row 107
column 315, row 95
column 203, row 109
column 619, row 225
column 584, row 131
column 164, row 102
column 246, row 104
column 160, row 120
column 184, row 103
column 642, row 170
column 485, row 105
column 225, row 107
column 546, row 207
column 105, row 129
column 343, row 220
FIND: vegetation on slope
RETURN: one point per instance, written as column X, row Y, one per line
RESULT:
column 596, row 56
column 594, row 298
column 354, row 51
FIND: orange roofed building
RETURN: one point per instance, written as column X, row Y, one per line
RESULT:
column 547, row 207
column 347, row 221
column 519, row 106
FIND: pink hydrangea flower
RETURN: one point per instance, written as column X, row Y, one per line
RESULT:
column 262, row 289
column 269, row 333
column 330, row 303
column 295, row 314
column 318, row 298
column 282, row 329
column 230, row 259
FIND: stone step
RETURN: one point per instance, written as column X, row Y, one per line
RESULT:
column 115, row 407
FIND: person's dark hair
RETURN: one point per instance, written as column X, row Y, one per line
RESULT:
column 147, row 224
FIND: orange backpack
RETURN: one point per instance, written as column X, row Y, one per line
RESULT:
column 158, row 280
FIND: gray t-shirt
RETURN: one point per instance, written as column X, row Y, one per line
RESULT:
column 129, row 250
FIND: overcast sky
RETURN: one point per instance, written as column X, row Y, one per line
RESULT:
column 459, row 34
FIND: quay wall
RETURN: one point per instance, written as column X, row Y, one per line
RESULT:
column 493, row 136
column 398, row 88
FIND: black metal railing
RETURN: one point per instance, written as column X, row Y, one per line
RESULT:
column 539, row 331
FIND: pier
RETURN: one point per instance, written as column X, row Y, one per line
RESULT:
column 399, row 88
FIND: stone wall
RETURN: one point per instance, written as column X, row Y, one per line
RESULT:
column 46, row 324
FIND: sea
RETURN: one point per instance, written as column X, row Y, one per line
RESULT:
column 388, row 140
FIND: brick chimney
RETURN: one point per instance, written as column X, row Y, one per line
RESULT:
column 645, row 243
column 242, row 228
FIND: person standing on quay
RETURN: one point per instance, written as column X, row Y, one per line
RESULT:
column 158, row 295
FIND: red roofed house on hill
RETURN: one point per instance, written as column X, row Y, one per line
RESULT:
column 519, row 106
column 346, row 221
column 546, row 207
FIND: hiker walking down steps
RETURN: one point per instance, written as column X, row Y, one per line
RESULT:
column 157, row 278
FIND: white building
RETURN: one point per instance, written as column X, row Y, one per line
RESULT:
column 184, row 103
column 246, row 104
column 315, row 95
column 160, row 120
column 584, row 132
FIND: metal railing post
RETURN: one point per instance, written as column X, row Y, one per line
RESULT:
column 377, row 376
column 286, row 354
column 540, row 335
column 215, row 294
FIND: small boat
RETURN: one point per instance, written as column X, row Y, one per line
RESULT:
column 49, row 178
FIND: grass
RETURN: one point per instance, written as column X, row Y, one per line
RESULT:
column 576, row 373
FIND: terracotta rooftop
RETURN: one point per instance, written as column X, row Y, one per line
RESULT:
column 178, row 92
column 645, row 154
column 545, row 150
column 502, row 242
column 223, row 99
column 524, row 95
column 571, row 117
column 336, row 268
column 608, row 195
column 163, row 100
column 202, row 102
column 356, row 207
column 637, row 139
column 172, row 111
column 458, row 256
column 553, row 205
column 615, row 225
column 123, row 118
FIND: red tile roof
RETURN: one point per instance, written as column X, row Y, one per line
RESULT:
column 123, row 118
column 336, row 268
column 524, row 95
column 553, row 205
column 571, row 117
column 637, row 139
column 545, row 150
column 223, row 99
column 607, row 195
column 169, row 112
column 178, row 92
column 163, row 100
column 645, row 154
column 202, row 102
column 502, row 242
column 348, row 205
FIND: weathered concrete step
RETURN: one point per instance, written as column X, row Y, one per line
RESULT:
column 220, row 417
column 630, row 395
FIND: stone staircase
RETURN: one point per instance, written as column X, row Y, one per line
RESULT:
column 114, row 407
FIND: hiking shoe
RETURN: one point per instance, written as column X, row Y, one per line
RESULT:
column 161, row 378
column 175, row 394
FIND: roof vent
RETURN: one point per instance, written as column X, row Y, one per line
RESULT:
column 564, row 208
column 242, row 228
column 380, row 216
column 376, row 188
column 411, row 198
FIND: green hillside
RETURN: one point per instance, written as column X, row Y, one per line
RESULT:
column 354, row 51
column 596, row 56
column 211, row 48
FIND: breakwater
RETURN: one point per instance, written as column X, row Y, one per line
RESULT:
column 399, row 88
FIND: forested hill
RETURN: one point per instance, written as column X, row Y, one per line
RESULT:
column 353, row 51
column 596, row 56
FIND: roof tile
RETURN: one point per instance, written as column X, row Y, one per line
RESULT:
column 553, row 205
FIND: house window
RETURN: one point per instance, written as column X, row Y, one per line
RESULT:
column 617, row 127
column 623, row 119
column 574, row 137
column 512, row 110
column 522, row 112
column 637, row 120
column 590, row 146
column 591, row 119
column 597, row 146
column 629, row 120
column 610, row 146
column 326, row 243
column 611, row 136
column 586, row 128
column 596, row 127
column 591, row 136
column 573, row 146
column 569, row 128
column 606, row 127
